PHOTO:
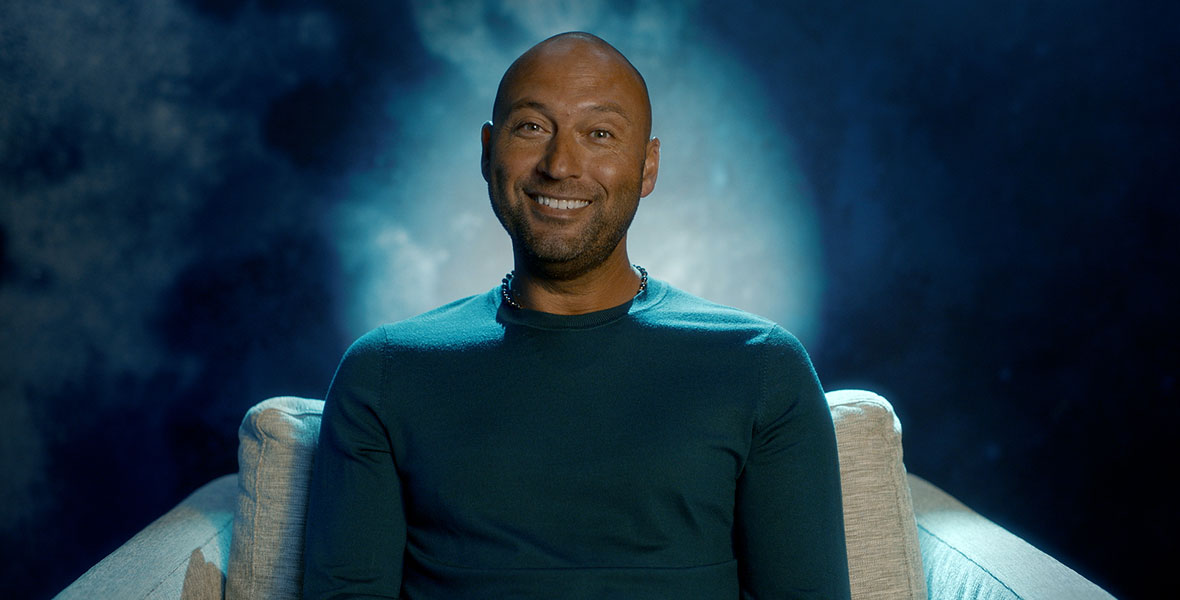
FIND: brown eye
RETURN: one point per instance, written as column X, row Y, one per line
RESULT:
column 600, row 134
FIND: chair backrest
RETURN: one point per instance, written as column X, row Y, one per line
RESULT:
column 884, row 558
column 278, row 439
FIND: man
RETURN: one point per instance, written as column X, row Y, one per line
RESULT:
column 581, row 431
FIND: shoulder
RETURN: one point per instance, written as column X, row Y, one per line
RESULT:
column 678, row 309
column 728, row 329
column 449, row 327
column 467, row 321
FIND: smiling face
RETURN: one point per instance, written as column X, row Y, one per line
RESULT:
column 567, row 156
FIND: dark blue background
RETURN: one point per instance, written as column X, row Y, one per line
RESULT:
column 995, row 185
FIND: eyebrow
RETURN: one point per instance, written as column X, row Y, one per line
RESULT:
column 605, row 107
column 612, row 108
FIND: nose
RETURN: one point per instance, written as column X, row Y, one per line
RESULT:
column 561, row 159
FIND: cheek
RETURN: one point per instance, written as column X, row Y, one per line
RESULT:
column 518, row 157
column 608, row 167
column 507, row 162
column 500, row 178
column 619, row 172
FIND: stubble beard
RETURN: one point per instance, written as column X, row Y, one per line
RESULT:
column 562, row 257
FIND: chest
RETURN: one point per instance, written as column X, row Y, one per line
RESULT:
column 580, row 452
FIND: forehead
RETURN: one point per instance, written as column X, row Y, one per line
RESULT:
column 570, row 77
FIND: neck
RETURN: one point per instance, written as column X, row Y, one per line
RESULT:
column 607, row 285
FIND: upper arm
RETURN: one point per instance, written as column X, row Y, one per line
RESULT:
column 355, row 534
column 789, row 526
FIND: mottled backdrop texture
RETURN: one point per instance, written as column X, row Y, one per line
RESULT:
column 970, row 207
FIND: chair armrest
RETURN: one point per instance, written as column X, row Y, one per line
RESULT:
column 183, row 554
column 966, row 556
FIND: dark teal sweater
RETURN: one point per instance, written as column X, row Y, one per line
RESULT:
column 666, row 448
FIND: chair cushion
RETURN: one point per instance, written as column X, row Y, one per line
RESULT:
column 884, row 557
column 183, row 554
column 278, row 439
column 277, row 442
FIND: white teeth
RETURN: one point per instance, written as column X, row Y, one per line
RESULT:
column 561, row 204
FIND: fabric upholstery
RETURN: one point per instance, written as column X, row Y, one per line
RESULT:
column 278, row 437
column 884, row 560
column 155, row 564
column 203, row 580
column 276, row 443
column 967, row 557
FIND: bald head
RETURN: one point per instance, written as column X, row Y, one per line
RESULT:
column 575, row 52
column 567, row 157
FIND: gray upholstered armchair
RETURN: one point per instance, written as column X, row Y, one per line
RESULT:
column 241, row 536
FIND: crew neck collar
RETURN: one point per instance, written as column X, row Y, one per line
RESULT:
column 651, row 296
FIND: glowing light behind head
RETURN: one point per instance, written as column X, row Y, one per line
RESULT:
column 729, row 220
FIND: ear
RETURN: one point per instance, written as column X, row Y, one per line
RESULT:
column 651, row 167
column 485, row 135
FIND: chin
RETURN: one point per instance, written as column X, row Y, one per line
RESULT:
column 564, row 261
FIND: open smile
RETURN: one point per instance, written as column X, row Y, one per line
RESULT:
column 560, row 203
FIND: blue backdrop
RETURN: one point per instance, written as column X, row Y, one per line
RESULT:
column 969, row 207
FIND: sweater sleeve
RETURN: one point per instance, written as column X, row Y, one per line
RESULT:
column 356, row 529
column 789, row 523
